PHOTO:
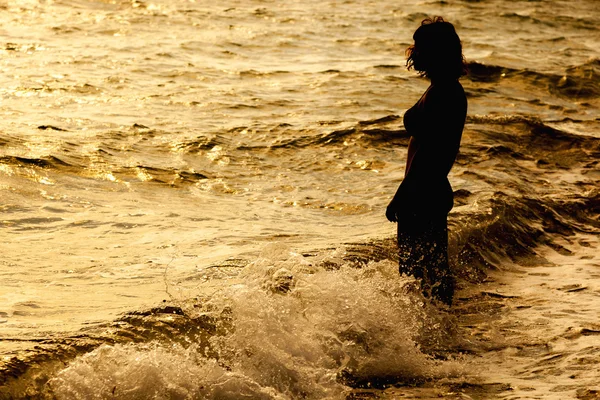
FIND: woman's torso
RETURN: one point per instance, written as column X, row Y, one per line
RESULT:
column 435, row 124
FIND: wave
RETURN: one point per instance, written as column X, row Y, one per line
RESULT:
column 300, row 325
column 535, row 129
column 289, row 329
column 261, row 74
column 512, row 228
column 358, row 134
column 204, row 143
column 331, row 138
column 41, row 162
column 170, row 176
column 528, row 138
column 571, row 22
column 578, row 82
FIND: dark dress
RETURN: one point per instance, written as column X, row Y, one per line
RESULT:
column 424, row 198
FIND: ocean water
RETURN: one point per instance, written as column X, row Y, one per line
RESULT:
column 193, row 196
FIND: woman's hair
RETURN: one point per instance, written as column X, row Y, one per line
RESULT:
column 437, row 52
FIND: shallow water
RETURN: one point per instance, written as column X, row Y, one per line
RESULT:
column 194, row 159
column 549, row 329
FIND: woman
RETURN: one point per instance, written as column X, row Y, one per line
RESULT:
column 435, row 124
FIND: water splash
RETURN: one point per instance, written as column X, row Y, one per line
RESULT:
column 289, row 326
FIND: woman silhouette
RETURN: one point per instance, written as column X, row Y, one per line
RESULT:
column 435, row 124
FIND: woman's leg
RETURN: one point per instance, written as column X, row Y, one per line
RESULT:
column 438, row 277
column 423, row 253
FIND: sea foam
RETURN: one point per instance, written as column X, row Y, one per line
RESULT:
column 296, row 330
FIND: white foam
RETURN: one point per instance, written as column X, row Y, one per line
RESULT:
column 152, row 371
column 287, row 341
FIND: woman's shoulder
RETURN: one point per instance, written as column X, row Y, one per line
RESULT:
column 447, row 88
column 448, row 93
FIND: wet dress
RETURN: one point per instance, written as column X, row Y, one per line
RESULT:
column 424, row 198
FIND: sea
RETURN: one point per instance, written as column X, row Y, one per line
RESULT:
column 193, row 194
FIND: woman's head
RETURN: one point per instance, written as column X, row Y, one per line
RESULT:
column 437, row 52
